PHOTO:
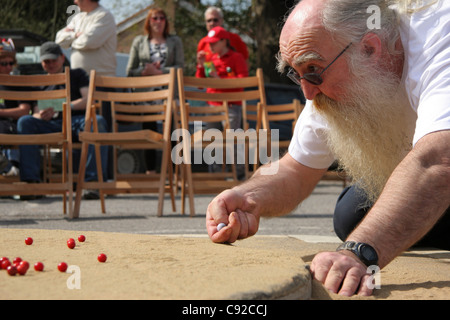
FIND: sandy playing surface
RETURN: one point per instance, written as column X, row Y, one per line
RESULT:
column 178, row 268
column 149, row 267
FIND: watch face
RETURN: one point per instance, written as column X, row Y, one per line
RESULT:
column 369, row 254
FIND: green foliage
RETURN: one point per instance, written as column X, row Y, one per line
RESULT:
column 44, row 18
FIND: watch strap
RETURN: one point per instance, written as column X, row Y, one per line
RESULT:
column 357, row 247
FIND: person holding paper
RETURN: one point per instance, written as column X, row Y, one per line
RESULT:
column 47, row 118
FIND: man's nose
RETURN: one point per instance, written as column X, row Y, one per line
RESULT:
column 309, row 90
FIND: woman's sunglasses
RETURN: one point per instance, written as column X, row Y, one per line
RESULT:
column 5, row 64
column 314, row 78
column 158, row 18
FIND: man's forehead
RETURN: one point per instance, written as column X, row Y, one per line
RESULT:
column 301, row 34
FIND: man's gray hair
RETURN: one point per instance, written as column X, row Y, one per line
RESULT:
column 214, row 9
column 347, row 21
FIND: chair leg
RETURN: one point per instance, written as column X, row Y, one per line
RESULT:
column 80, row 180
column 190, row 184
column 98, row 162
column 162, row 180
column 171, row 187
column 183, row 189
column 70, row 180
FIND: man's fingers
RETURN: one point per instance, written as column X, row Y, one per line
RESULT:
column 243, row 219
column 235, row 225
column 364, row 290
column 352, row 281
column 340, row 274
column 334, row 278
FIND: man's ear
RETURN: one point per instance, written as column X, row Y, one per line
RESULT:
column 371, row 46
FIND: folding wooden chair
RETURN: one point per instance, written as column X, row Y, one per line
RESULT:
column 62, row 139
column 134, row 100
column 192, row 92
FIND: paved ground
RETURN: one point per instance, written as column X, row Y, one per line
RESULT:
column 137, row 214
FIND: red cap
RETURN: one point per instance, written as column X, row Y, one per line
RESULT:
column 216, row 34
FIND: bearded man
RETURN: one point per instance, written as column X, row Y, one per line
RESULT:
column 378, row 100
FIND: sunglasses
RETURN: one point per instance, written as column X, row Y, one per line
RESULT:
column 313, row 78
column 212, row 20
column 158, row 18
column 5, row 64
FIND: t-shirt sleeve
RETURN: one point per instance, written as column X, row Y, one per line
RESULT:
column 308, row 145
column 428, row 61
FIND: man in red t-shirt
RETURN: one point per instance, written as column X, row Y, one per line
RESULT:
column 214, row 18
column 224, row 63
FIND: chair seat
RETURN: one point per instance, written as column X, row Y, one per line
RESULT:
column 117, row 138
column 33, row 189
column 56, row 138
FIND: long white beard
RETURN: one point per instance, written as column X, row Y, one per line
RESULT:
column 371, row 130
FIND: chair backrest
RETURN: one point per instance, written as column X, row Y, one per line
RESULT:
column 192, row 94
column 282, row 114
column 28, row 87
column 133, row 99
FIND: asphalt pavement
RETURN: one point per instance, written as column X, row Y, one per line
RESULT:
column 311, row 221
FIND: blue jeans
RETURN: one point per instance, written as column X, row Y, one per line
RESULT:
column 30, row 159
column 351, row 209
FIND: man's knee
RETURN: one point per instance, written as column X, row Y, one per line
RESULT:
column 102, row 125
column 24, row 124
column 349, row 211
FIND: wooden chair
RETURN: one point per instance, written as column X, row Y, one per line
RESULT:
column 192, row 92
column 278, row 117
column 63, row 139
column 266, row 117
column 142, row 99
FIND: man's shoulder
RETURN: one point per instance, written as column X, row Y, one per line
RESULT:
column 104, row 13
column 78, row 72
column 79, row 76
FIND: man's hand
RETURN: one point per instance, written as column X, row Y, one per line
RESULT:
column 238, row 213
column 341, row 272
column 46, row 114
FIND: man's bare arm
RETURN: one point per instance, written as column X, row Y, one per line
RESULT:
column 415, row 197
column 261, row 196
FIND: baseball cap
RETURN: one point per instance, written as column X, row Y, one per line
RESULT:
column 216, row 34
column 50, row 51
column 7, row 48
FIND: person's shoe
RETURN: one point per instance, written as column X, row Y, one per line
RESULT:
column 91, row 195
column 31, row 197
column 13, row 172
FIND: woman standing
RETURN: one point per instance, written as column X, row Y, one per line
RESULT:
column 157, row 51
column 152, row 54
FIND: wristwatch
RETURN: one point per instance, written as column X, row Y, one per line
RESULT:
column 363, row 251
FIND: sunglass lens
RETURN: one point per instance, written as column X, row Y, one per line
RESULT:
column 313, row 78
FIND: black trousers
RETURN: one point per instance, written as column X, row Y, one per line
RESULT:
column 7, row 126
column 350, row 210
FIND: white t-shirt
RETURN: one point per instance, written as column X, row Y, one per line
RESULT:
column 426, row 39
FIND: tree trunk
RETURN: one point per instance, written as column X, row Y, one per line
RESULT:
column 268, row 22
